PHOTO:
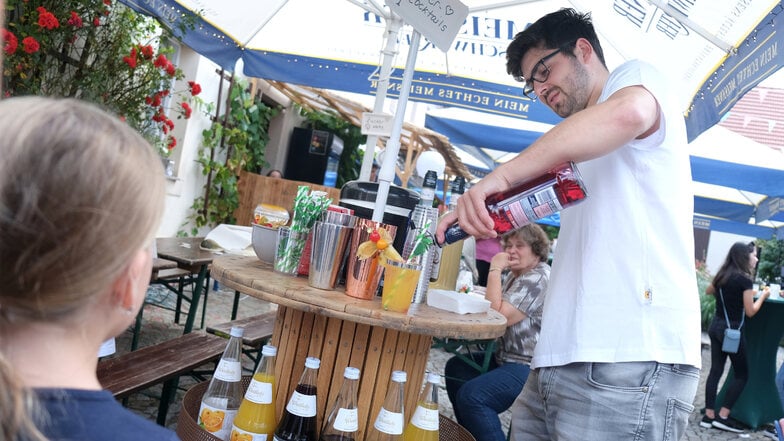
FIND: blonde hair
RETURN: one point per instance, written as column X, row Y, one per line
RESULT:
column 80, row 194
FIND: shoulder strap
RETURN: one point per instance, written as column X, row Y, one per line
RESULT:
column 724, row 306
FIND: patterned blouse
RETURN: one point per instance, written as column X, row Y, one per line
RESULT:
column 525, row 292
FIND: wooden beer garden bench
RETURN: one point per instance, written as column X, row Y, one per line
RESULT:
column 257, row 332
column 160, row 363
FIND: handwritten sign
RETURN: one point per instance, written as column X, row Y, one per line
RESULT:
column 376, row 124
column 438, row 20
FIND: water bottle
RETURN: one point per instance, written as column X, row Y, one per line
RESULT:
column 342, row 422
column 220, row 402
column 390, row 420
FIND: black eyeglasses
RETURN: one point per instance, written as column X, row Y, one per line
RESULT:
column 540, row 73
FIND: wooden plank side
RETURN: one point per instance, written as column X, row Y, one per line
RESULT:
column 370, row 382
column 416, row 363
column 315, row 349
column 286, row 372
column 339, row 359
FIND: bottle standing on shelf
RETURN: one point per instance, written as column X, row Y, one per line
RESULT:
column 299, row 418
column 224, row 394
column 255, row 420
column 446, row 267
column 530, row 201
column 424, row 423
column 342, row 422
column 391, row 418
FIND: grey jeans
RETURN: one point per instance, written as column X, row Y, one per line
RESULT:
column 606, row 401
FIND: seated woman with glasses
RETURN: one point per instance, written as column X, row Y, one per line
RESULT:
column 516, row 285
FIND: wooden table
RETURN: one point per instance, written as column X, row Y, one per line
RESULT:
column 187, row 252
column 345, row 331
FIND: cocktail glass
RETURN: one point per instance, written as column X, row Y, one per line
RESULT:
column 400, row 282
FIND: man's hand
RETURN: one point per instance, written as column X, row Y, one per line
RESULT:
column 471, row 211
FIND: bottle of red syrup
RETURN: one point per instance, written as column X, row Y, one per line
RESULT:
column 549, row 193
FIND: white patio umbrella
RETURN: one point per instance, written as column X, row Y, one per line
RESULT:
column 713, row 51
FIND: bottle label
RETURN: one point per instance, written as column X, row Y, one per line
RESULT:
column 302, row 405
column 259, row 392
column 389, row 422
column 346, row 420
column 425, row 419
column 216, row 421
column 238, row 434
column 531, row 207
column 228, row 370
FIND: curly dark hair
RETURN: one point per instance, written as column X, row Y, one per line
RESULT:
column 560, row 29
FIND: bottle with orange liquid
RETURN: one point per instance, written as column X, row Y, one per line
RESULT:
column 255, row 420
column 224, row 394
column 424, row 422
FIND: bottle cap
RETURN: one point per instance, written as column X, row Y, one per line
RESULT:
column 312, row 363
column 458, row 185
column 399, row 376
column 269, row 350
column 237, row 331
column 351, row 373
column 433, row 377
column 431, row 179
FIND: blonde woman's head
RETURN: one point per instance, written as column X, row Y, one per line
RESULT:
column 80, row 194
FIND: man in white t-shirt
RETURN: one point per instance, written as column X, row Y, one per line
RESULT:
column 619, row 352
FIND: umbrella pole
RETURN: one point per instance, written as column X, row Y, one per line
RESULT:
column 387, row 172
column 393, row 25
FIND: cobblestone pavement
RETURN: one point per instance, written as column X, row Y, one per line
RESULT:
column 159, row 326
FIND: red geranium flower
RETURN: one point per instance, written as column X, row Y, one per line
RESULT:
column 146, row 51
column 75, row 20
column 97, row 21
column 11, row 42
column 107, row 2
column 30, row 45
column 46, row 19
column 130, row 61
column 171, row 70
column 187, row 109
column 195, row 88
column 172, row 143
column 160, row 62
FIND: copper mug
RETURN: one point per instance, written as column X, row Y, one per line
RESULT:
column 364, row 276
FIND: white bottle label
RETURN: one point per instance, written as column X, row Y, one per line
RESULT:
column 216, row 421
column 346, row 420
column 302, row 405
column 425, row 419
column 259, row 392
column 389, row 422
column 532, row 207
column 239, row 434
column 228, row 370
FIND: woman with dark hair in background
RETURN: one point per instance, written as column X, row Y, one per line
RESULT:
column 732, row 287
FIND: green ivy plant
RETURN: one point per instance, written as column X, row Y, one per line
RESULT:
column 351, row 158
column 771, row 260
column 235, row 141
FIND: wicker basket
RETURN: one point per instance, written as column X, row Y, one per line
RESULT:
column 188, row 429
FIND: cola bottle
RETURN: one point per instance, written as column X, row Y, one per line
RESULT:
column 299, row 418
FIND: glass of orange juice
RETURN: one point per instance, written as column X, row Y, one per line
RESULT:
column 400, row 282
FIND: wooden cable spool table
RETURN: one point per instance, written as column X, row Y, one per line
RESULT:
column 344, row 331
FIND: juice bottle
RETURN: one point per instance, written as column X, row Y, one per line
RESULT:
column 255, row 420
column 224, row 394
column 424, row 422
column 389, row 422
column 299, row 418
column 342, row 422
